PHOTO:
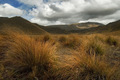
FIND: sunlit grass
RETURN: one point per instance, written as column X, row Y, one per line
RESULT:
column 28, row 58
column 45, row 57
column 93, row 68
column 112, row 41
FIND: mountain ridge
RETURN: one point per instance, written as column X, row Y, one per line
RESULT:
column 35, row 29
column 77, row 26
column 22, row 24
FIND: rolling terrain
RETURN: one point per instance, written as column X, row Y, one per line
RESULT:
column 53, row 30
column 113, row 27
column 35, row 29
column 60, row 55
column 71, row 28
column 20, row 24
column 77, row 26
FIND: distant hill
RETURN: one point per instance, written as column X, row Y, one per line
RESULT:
column 77, row 26
column 21, row 24
column 111, row 27
column 35, row 29
column 87, row 25
column 66, row 29
column 53, row 30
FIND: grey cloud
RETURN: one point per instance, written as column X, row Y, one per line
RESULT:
column 55, row 8
column 97, row 12
column 56, row 16
column 89, row 9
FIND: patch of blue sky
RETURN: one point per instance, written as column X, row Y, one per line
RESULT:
column 17, row 4
column 14, row 3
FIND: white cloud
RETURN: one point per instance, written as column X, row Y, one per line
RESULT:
column 45, row 22
column 6, row 10
column 73, row 11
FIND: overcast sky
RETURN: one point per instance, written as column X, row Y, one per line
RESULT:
column 52, row 12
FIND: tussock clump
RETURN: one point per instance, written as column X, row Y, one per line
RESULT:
column 46, row 37
column 7, row 38
column 71, row 41
column 92, row 68
column 95, row 45
column 100, row 38
column 112, row 41
column 96, row 48
column 26, row 58
column 62, row 39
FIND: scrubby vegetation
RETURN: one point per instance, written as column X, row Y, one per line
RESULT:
column 112, row 41
column 96, row 48
column 93, row 68
column 59, row 57
column 71, row 41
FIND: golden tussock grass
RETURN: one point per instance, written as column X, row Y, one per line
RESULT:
column 112, row 41
column 26, row 57
column 95, row 47
column 89, row 66
column 93, row 44
column 47, row 57
column 93, row 68
column 71, row 41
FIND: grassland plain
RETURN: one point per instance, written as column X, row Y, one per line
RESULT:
column 59, row 57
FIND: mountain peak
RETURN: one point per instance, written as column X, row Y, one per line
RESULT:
column 20, row 23
column 17, row 17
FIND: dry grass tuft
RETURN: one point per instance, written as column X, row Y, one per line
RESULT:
column 71, row 41
column 93, row 45
column 46, row 37
column 26, row 58
column 96, row 48
column 112, row 41
column 62, row 39
column 93, row 68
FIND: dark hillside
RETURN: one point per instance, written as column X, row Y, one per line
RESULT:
column 21, row 24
